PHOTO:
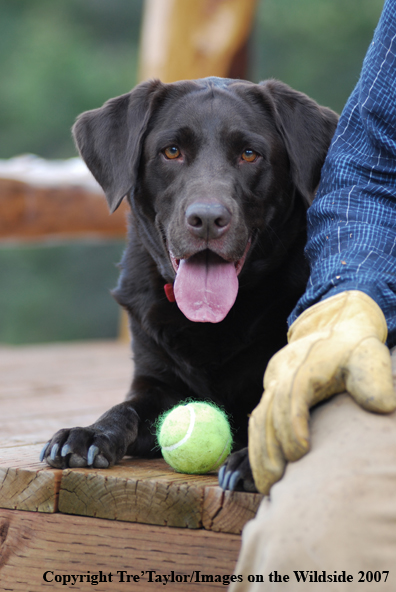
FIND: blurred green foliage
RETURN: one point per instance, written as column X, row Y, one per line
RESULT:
column 58, row 58
column 316, row 46
column 61, row 57
column 55, row 292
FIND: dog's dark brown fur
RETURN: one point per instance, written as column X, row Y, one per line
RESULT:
column 252, row 154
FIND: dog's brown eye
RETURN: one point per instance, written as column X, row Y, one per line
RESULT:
column 172, row 152
column 249, row 155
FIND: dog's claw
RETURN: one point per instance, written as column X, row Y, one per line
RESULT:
column 43, row 451
column 235, row 476
column 66, row 449
column 93, row 450
column 226, row 480
column 54, row 451
column 221, row 475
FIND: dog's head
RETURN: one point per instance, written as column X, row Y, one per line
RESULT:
column 209, row 166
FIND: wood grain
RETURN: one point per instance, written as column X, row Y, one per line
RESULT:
column 136, row 490
column 22, row 489
column 44, row 388
column 31, row 544
column 148, row 491
column 47, row 387
column 25, row 483
column 210, row 33
column 228, row 511
column 32, row 212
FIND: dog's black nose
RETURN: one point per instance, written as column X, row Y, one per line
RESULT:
column 207, row 220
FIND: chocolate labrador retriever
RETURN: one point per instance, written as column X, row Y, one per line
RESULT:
column 219, row 174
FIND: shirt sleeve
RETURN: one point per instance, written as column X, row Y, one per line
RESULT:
column 352, row 221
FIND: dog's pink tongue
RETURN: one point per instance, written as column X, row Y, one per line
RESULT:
column 206, row 287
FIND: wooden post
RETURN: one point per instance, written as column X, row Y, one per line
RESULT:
column 189, row 39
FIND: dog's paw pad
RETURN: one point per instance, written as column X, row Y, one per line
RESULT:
column 76, row 461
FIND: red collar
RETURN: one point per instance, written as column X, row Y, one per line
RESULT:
column 169, row 292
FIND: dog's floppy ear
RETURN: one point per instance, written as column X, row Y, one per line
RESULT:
column 109, row 140
column 306, row 129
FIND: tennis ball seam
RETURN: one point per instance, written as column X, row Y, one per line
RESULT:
column 188, row 433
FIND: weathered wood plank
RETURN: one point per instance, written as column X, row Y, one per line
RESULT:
column 22, row 489
column 136, row 490
column 150, row 492
column 44, row 388
column 25, row 483
column 32, row 544
column 228, row 511
column 29, row 212
column 47, row 387
column 146, row 491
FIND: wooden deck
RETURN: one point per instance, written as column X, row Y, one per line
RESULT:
column 137, row 517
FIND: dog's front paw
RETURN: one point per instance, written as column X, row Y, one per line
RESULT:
column 235, row 474
column 81, row 447
column 99, row 445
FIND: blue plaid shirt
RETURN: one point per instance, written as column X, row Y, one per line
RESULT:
column 352, row 221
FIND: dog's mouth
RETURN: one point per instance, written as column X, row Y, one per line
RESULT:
column 206, row 285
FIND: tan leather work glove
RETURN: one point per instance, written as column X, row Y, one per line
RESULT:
column 336, row 345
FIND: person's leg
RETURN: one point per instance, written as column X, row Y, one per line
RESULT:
column 334, row 510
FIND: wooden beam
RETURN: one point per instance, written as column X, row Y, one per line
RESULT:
column 32, row 544
column 150, row 492
column 145, row 491
column 32, row 212
column 136, row 490
column 25, row 483
column 228, row 511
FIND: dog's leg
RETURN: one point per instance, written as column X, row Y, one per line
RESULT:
column 127, row 428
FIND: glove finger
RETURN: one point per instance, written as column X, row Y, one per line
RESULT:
column 297, row 390
column 369, row 379
column 291, row 415
column 265, row 453
column 289, row 408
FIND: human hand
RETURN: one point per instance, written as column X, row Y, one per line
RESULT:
column 336, row 345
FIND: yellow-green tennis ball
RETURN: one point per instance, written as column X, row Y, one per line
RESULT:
column 195, row 437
